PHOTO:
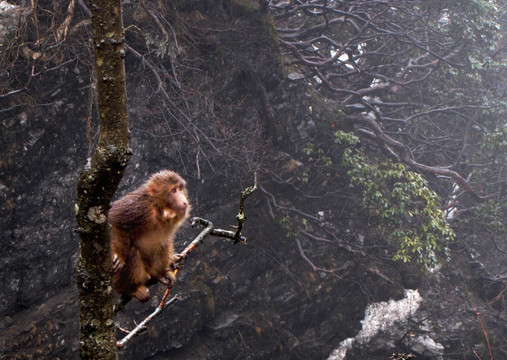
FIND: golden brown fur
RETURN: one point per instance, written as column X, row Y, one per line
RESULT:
column 143, row 224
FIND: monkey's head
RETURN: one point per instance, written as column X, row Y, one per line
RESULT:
column 169, row 193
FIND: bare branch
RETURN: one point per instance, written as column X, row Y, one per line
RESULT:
column 317, row 268
column 142, row 325
column 404, row 155
column 62, row 31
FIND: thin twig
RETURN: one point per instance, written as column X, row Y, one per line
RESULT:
column 485, row 334
column 142, row 325
column 61, row 32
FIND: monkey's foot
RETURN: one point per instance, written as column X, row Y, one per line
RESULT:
column 142, row 294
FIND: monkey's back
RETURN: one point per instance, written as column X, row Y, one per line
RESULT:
column 131, row 212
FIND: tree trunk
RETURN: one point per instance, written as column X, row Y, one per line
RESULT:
column 98, row 182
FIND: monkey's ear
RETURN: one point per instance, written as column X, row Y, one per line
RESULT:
column 152, row 189
column 169, row 214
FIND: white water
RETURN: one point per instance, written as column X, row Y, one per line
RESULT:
column 380, row 317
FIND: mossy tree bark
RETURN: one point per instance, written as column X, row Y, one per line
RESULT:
column 98, row 182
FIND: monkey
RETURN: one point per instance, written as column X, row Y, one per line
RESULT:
column 143, row 224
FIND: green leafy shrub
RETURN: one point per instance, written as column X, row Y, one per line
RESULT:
column 407, row 210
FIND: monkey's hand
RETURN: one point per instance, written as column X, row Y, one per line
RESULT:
column 176, row 261
column 168, row 279
column 117, row 263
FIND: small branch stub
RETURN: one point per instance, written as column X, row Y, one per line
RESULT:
column 241, row 214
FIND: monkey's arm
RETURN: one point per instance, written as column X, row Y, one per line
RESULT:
column 175, row 260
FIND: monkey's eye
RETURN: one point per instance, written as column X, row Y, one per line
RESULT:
column 174, row 190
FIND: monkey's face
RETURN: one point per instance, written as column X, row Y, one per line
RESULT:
column 176, row 201
column 168, row 195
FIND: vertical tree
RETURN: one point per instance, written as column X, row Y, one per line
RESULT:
column 98, row 182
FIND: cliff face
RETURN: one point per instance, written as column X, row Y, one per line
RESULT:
column 42, row 151
column 229, row 109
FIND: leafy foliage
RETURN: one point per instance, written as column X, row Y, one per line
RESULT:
column 161, row 45
column 406, row 208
